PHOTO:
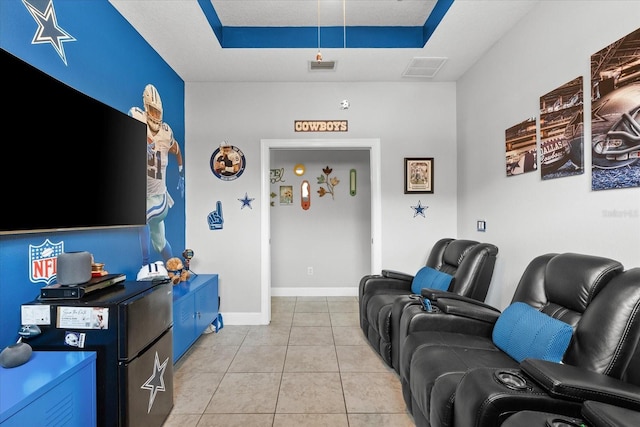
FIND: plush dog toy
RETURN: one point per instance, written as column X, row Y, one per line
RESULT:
column 176, row 270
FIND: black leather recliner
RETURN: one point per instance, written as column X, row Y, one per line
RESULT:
column 433, row 362
column 470, row 263
column 592, row 414
column 467, row 317
column 602, row 364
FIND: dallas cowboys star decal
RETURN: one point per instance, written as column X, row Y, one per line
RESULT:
column 246, row 201
column 48, row 29
column 155, row 383
column 419, row 209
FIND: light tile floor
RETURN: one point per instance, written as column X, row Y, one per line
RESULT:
column 312, row 366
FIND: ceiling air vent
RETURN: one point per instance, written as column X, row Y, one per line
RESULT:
column 424, row 67
column 322, row 65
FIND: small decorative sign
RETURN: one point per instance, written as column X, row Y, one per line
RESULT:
column 76, row 317
column 321, row 125
column 276, row 175
column 352, row 182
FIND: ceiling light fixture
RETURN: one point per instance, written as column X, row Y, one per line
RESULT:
column 318, row 64
column 319, row 54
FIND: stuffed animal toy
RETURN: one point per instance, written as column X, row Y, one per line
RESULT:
column 176, row 270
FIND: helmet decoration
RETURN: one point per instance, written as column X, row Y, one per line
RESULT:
column 615, row 128
column 152, row 107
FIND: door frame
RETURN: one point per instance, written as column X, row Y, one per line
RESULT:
column 266, row 145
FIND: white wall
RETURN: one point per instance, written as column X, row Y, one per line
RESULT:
column 410, row 119
column 526, row 216
column 461, row 127
column 332, row 227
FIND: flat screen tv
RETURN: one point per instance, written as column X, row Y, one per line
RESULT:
column 72, row 162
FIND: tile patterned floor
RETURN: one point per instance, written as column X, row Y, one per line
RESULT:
column 312, row 367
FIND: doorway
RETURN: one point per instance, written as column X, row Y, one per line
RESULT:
column 372, row 145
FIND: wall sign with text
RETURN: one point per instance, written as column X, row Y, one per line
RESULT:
column 321, row 125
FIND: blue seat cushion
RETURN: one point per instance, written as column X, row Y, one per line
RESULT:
column 522, row 331
column 431, row 278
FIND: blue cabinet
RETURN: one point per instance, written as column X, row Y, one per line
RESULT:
column 195, row 307
column 52, row 388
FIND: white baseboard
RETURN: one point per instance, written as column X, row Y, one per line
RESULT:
column 243, row 319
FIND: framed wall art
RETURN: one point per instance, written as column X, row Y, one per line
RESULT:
column 286, row 194
column 561, row 131
column 418, row 175
column 227, row 162
column 615, row 96
column 521, row 149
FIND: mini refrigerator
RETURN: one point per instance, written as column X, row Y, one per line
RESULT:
column 130, row 327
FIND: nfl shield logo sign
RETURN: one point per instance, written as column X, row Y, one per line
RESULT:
column 43, row 261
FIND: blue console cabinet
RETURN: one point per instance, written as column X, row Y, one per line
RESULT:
column 195, row 307
column 52, row 388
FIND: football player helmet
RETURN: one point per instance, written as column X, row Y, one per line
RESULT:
column 615, row 128
column 153, row 107
column 72, row 339
column 154, row 271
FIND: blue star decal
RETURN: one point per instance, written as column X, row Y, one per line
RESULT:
column 155, row 383
column 419, row 209
column 246, row 201
column 48, row 29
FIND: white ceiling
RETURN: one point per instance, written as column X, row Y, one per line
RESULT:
column 180, row 32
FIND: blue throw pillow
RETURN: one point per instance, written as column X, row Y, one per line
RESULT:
column 431, row 278
column 522, row 331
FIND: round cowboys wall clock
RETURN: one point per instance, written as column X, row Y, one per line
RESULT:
column 227, row 162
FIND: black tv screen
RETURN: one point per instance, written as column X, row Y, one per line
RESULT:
column 72, row 162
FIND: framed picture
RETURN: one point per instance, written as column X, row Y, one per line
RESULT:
column 286, row 194
column 418, row 175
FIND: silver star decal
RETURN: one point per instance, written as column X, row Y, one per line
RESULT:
column 155, row 383
column 48, row 29
column 246, row 201
column 419, row 209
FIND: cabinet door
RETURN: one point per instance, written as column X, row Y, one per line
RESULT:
column 70, row 396
column 206, row 304
column 183, row 325
column 146, row 385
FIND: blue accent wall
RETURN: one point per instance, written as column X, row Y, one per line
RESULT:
column 91, row 47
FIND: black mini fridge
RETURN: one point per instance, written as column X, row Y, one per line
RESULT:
column 130, row 327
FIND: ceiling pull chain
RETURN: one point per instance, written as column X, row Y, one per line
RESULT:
column 318, row 55
column 344, row 23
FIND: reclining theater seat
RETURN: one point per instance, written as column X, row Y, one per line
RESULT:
column 555, row 290
column 467, row 264
column 417, row 327
column 601, row 364
column 390, row 281
column 592, row 414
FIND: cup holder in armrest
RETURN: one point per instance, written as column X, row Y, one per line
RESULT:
column 564, row 422
column 425, row 303
column 512, row 380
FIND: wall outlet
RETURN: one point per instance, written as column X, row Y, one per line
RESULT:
column 482, row 225
column 310, row 271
